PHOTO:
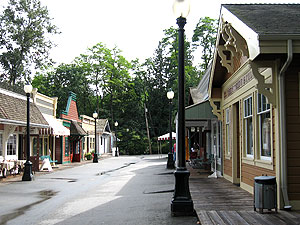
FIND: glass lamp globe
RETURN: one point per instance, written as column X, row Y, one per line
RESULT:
column 95, row 115
column 170, row 94
column 28, row 88
column 181, row 8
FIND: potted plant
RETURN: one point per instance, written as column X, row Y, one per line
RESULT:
column 88, row 156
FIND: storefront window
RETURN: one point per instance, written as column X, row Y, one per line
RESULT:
column 46, row 150
column 264, row 117
column 34, row 146
column 12, row 145
column 228, row 131
column 248, row 125
column 67, row 147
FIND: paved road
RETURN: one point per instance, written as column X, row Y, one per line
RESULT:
column 122, row 190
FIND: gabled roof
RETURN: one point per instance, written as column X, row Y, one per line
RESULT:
column 103, row 126
column 268, row 19
column 13, row 110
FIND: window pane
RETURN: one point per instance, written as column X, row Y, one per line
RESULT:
column 34, row 146
column 265, row 140
column 249, row 136
column 11, row 145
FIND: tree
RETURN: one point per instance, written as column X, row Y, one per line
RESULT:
column 204, row 36
column 25, row 28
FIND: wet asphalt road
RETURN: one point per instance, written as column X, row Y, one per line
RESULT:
column 121, row 190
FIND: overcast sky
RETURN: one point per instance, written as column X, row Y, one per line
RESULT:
column 134, row 26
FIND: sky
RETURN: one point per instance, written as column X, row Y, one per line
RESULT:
column 134, row 26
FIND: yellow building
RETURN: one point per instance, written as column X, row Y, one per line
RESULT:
column 254, row 91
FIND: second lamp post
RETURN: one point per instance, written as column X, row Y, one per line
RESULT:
column 170, row 163
column 116, row 125
column 95, row 160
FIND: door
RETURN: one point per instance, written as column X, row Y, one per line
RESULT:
column 34, row 155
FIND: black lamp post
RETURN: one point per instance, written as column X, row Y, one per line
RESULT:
column 27, row 175
column 170, row 163
column 181, row 204
column 116, row 125
column 127, row 141
column 95, row 160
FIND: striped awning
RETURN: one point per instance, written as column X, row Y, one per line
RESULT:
column 167, row 136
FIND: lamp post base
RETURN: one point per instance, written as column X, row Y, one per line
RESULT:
column 182, row 204
column 170, row 163
column 95, row 160
column 27, row 175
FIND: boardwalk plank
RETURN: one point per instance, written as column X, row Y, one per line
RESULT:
column 249, row 217
column 218, row 201
column 216, row 218
column 204, row 218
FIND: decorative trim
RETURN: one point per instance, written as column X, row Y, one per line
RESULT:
column 267, row 89
column 234, row 44
column 217, row 112
column 72, row 96
column 66, row 124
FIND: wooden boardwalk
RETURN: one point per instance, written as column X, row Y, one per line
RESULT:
column 218, row 201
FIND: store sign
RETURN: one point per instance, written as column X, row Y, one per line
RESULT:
column 239, row 84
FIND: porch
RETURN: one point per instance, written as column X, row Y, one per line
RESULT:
column 218, row 201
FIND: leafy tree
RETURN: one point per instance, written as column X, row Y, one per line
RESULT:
column 25, row 28
column 63, row 79
column 204, row 36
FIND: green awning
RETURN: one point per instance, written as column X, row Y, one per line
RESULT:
column 200, row 111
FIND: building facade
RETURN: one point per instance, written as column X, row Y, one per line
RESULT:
column 254, row 91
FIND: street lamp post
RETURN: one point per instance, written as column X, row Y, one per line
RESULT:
column 181, row 204
column 95, row 160
column 116, row 125
column 27, row 175
column 127, row 141
column 170, row 163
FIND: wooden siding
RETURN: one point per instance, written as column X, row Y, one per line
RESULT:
column 293, row 132
column 250, row 171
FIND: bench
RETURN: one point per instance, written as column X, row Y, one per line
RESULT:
column 48, row 157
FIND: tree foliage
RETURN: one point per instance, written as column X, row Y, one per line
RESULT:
column 121, row 90
column 204, row 36
column 25, row 29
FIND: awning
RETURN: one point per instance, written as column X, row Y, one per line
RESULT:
column 56, row 126
column 200, row 111
column 167, row 136
column 77, row 130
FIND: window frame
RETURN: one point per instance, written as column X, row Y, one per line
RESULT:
column 248, row 115
column 227, row 132
column 264, row 108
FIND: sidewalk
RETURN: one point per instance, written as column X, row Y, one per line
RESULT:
column 57, row 167
column 218, row 201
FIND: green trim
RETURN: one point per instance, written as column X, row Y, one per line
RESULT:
column 66, row 124
column 72, row 96
column 61, row 149
column 66, row 162
column 67, row 153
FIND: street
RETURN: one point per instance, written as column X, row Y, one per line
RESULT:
column 117, row 190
